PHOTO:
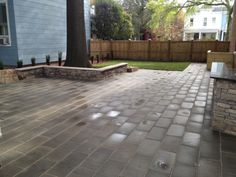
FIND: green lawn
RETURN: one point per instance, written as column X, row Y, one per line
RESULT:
column 169, row 66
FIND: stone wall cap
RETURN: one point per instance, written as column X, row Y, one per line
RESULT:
column 71, row 68
column 219, row 70
column 29, row 68
column 107, row 68
column 220, row 53
column 113, row 66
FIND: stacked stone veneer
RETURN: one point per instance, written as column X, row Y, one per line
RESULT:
column 8, row 76
column 224, row 106
column 84, row 73
column 35, row 71
column 88, row 74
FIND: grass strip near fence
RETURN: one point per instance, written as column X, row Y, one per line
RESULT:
column 154, row 65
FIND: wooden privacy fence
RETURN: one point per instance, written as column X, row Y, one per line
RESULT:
column 193, row 51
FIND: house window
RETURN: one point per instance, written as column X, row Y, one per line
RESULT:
column 213, row 20
column 205, row 22
column 4, row 24
column 203, row 36
column 191, row 21
column 213, row 36
column 189, row 36
column 196, row 36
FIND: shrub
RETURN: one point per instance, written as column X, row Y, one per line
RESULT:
column 59, row 58
column 19, row 63
column 1, row 65
column 48, row 59
column 33, row 61
column 111, row 21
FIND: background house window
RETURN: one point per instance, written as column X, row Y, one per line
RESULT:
column 213, row 36
column 189, row 36
column 196, row 36
column 191, row 21
column 203, row 36
column 205, row 22
column 208, row 36
column 213, row 20
column 4, row 27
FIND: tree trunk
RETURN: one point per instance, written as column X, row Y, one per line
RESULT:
column 233, row 31
column 77, row 47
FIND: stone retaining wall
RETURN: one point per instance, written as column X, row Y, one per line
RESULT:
column 224, row 106
column 84, row 73
column 8, row 76
column 34, row 71
column 87, row 74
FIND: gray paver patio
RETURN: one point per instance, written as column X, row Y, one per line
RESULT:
column 120, row 127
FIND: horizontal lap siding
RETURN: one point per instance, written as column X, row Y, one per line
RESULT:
column 40, row 28
column 87, row 21
column 8, row 54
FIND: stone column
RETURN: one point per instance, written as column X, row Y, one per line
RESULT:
column 224, row 106
column 234, row 59
column 233, row 31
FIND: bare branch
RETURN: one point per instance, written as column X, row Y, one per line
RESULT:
column 190, row 3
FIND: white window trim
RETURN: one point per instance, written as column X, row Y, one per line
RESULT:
column 8, row 23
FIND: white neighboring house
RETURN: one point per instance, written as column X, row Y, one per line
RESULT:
column 206, row 24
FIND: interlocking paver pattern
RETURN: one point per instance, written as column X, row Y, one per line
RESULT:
column 122, row 126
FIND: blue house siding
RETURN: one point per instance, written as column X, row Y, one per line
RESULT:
column 87, row 21
column 40, row 28
column 8, row 54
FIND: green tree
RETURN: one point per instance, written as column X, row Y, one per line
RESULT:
column 111, row 21
column 125, row 28
column 163, row 16
column 77, row 50
column 140, row 15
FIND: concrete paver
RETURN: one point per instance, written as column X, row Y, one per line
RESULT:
column 122, row 127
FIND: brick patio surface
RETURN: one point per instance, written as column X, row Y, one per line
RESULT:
column 142, row 124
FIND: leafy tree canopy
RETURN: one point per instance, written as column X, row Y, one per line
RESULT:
column 140, row 15
column 166, row 22
column 111, row 21
column 167, row 9
column 162, row 13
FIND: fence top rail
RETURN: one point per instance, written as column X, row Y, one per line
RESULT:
column 154, row 41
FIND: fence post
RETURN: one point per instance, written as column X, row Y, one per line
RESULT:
column 111, row 49
column 169, row 52
column 100, row 48
column 216, row 46
column 191, row 50
column 128, row 49
column 149, row 49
